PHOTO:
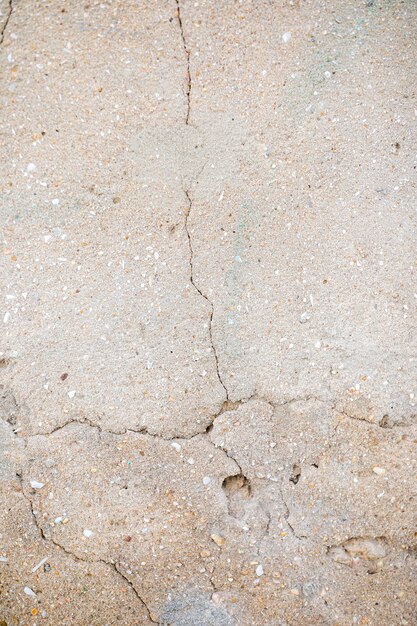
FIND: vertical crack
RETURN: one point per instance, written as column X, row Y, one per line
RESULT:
column 197, row 288
column 287, row 515
column 8, row 16
column 189, row 200
column 187, row 56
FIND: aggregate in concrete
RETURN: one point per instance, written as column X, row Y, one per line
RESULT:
column 208, row 354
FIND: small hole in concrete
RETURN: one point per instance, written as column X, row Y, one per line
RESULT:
column 296, row 473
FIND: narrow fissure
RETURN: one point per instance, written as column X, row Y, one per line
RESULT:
column 8, row 16
column 203, row 295
column 187, row 56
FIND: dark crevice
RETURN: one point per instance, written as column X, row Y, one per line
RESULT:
column 6, row 22
column 286, row 517
column 295, row 474
column 187, row 56
column 385, row 422
column 238, row 491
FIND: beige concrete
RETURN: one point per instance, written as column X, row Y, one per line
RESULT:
column 208, row 349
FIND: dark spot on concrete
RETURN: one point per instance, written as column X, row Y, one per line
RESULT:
column 296, row 473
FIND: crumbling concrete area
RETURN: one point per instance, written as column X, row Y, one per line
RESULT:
column 208, row 349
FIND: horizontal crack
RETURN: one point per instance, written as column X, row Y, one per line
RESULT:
column 126, row 431
column 380, row 424
column 228, row 405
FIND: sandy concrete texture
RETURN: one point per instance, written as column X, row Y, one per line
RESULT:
column 208, row 349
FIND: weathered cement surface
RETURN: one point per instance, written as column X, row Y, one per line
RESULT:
column 208, row 354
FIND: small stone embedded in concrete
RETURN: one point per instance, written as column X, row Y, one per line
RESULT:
column 36, row 484
column 219, row 540
column 380, row 471
column 29, row 592
column 39, row 564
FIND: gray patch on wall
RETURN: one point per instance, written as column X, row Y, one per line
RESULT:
column 194, row 611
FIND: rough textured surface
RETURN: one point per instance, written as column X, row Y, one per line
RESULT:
column 208, row 348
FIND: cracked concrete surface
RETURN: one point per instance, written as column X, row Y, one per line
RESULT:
column 208, row 356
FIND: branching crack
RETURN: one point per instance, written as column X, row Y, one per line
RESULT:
column 111, row 564
column 197, row 288
column 187, row 56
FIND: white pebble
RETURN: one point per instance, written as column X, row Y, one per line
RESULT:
column 71, row 394
column 380, row 471
column 259, row 570
column 35, row 485
column 40, row 564
column 176, row 446
column 206, row 480
column 286, row 37
column 31, row 167
column 28, row 591
column 55, row 201
column 88, row 533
